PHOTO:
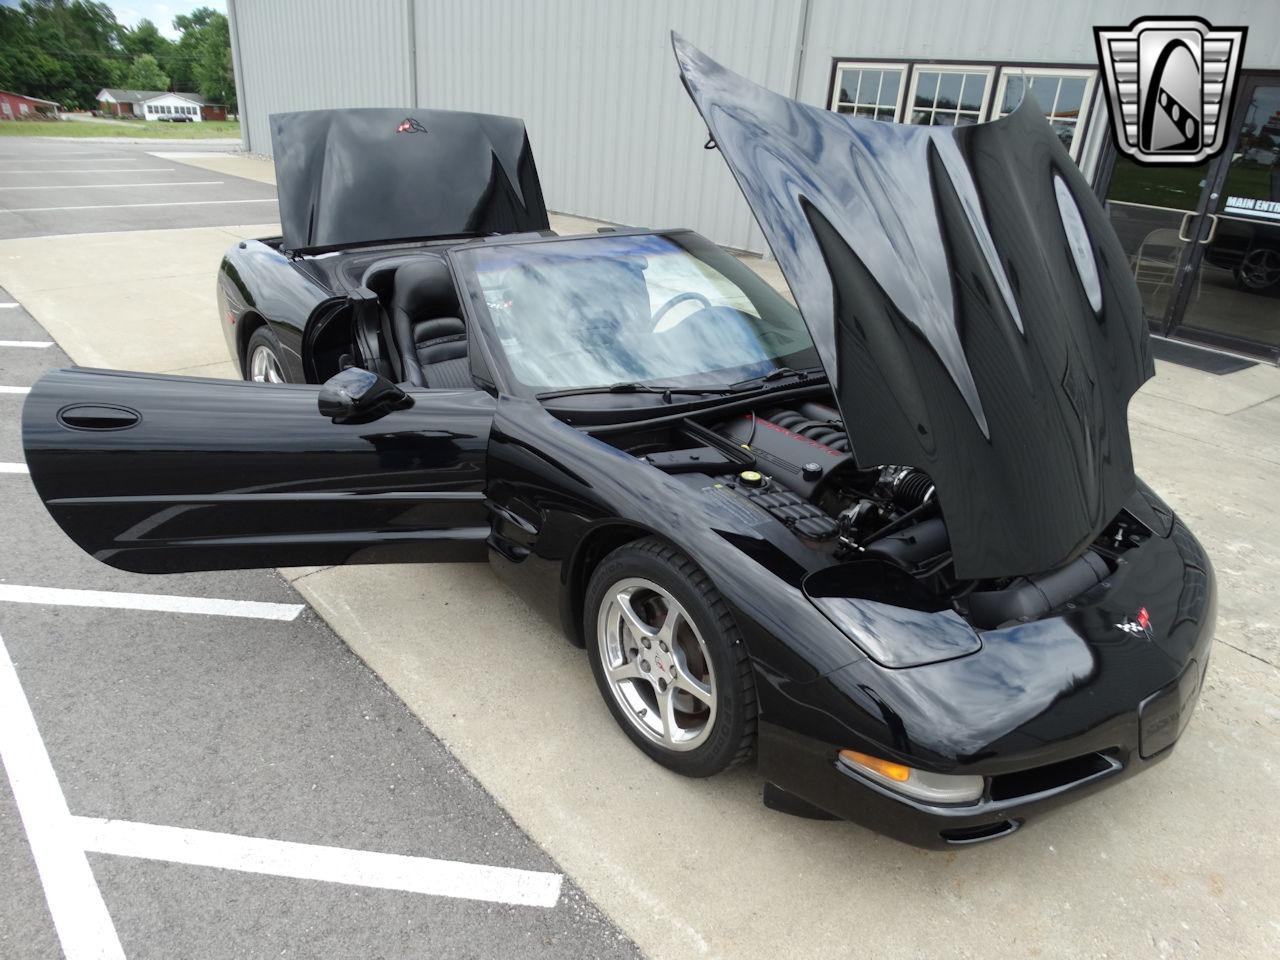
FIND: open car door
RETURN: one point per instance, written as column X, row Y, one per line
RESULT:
column 161, row 474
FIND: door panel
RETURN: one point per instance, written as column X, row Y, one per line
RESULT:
column 161, row 474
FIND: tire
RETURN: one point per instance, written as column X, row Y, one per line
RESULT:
column 265, row 349
column 1259, row 270
column 696, row 735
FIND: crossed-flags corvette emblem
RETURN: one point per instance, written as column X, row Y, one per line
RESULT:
column 1169, row 83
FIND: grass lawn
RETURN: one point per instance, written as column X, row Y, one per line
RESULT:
column 139, row 129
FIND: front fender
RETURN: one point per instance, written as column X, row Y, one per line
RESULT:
column 563, row 484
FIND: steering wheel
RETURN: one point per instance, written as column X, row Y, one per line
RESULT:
column 679, row 298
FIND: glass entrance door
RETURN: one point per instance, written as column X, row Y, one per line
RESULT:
column 1157, row 212
column 1237, row 276
column 1204, row 241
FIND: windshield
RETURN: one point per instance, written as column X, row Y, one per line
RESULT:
column 671, row 309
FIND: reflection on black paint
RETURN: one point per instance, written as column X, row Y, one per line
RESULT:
column 948, row 308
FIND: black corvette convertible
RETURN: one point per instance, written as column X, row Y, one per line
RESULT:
column 887, row 540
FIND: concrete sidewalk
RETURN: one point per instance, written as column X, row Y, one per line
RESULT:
column 1178, row 862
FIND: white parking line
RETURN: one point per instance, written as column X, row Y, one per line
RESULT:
column 107, row 599
column 189, row 154
column 15, row 389
column 59, row 841
column 305, row 861
column 116, row 186
column 102, row 170
column 125, row 206
column 59, row 157
column 30, row 344
column 13, row 468
column 75, row 903
column 9, row 306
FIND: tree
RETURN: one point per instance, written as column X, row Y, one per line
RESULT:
column 145, row 74
column 186, row 53
column 215, row 78
column 63, row 50
column 68, row 50
column 146, row 38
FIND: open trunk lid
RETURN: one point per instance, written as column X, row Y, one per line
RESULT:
column 347, row 177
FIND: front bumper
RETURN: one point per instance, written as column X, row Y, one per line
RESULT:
column 1047, row 712
column 809, row 770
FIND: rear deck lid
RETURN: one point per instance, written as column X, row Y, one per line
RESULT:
column 968, row 298
column 347, row 177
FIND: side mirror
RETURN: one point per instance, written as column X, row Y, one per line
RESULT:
column 356, row 395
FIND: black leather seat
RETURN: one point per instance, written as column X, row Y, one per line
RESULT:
column 431, row 339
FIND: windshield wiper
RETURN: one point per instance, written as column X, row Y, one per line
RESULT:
column 778, row 373
column 740, row 386
column 628, row 388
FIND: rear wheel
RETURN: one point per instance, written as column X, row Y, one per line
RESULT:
column 262, row 358
column 669, row 660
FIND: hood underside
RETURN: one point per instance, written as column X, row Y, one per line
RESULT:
column 346, row 177
column 970, row 302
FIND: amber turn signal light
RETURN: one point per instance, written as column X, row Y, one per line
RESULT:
column 886, row 768
column 949, row 788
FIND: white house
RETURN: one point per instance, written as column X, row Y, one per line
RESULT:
column 158, row 105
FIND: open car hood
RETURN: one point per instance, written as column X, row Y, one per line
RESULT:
column 347, row 177
column 969, row 301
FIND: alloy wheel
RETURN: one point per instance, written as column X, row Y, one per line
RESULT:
column 1260, row 268
column 264, row 366
column 657, row 664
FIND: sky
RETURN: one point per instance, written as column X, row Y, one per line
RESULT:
column 160, row 12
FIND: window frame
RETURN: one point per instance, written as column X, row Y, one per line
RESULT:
column 990, row 70
column 1091, row 140
column 1090, row 77
column 904, row 77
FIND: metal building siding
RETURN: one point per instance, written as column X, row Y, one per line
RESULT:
column 615, row 135
column 314, row 54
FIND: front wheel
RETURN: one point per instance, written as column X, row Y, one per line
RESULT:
column 669, row 660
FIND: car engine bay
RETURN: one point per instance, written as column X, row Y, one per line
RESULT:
column 875, row 533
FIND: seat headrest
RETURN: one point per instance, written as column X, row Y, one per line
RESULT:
column 424, row 331
column 424, row 286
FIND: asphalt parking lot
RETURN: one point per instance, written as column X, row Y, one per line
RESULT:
column 224, row 724
column 57, row 187
column 198, row 767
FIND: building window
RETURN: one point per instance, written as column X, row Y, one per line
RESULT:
column 948, row 96
column 1064, row 95
column 871, row 90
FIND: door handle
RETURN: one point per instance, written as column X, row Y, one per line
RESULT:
column 1182, row 227
column 97, row 416
column 1213, row 228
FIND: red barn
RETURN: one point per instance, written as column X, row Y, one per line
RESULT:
column 15, row 106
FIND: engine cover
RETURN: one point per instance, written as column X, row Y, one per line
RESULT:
column 797, row 462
